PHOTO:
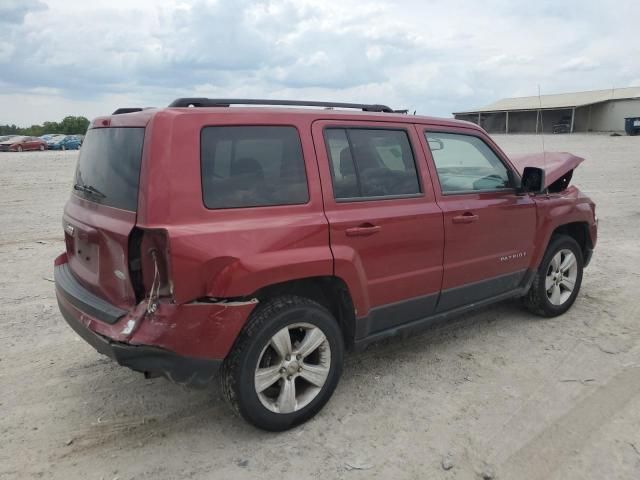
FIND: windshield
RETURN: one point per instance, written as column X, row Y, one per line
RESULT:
column 109, row 167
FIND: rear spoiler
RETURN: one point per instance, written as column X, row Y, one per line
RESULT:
column 122, row 110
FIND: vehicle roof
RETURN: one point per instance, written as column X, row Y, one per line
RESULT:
column 142, row 117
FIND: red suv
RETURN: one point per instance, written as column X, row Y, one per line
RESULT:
column 261, row 242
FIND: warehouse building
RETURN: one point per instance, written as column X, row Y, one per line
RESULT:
column 594, row 111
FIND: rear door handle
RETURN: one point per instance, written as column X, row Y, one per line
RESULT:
column 362, row 230
column 468, row 217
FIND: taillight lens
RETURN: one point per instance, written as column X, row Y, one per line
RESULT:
column 149, row 265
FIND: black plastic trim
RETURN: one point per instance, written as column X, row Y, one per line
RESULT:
column 588, row 255
column 150, row 360
column 476, row 291
column 82, row 298
column 383, row 322
column 394, row 314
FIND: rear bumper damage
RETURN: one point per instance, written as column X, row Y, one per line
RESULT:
column 152, row 361
column 184, row 343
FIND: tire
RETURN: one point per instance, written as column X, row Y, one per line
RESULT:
column 41, row 148
column 556, row 300
column 19, row 149
column 63, row 148
column 261, row 345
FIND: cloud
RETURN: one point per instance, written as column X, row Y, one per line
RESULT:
column 436, row 57
column 13, row 12
column 580, row 64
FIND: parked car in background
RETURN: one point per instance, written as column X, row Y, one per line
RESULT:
column 48, row 136
column 21, row 143
column 562, row 126
column 64, row 142
column 5, row 138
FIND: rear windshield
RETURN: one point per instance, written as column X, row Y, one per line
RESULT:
column 109, row 167
column 248, row 166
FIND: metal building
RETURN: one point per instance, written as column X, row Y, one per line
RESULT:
column 593, row 111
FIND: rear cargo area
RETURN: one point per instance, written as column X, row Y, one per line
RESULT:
column 101, row 212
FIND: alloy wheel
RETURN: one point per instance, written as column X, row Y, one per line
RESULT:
column 292, row 368
column 561, row 277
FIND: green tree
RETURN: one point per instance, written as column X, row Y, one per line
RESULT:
column 70, row 125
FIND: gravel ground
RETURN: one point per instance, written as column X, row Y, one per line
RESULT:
column 499, row 393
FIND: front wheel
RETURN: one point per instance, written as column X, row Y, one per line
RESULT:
column 557, row 282
column 19, row 149
column 63, row 147
column 285, row 364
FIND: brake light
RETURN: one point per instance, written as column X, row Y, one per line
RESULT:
column 149, row 266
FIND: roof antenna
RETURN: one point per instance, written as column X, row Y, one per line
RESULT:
column 544, row 151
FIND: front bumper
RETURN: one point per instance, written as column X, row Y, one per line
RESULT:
column 184, row 343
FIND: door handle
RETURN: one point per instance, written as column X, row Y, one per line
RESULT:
column 363, row 230
column 468, row 217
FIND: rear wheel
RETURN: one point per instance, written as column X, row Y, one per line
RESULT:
column 285, row 364
column 41, row 148
column 63, row 147
column 557, row 282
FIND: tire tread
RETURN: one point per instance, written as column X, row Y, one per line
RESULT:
column 535, row 299
column 230, row 369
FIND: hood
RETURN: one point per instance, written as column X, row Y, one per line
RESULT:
column 556, row 165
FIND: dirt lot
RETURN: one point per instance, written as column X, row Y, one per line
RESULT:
column 498, row 393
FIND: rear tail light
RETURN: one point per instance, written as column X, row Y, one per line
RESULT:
column 149, row 266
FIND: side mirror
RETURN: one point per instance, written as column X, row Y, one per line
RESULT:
column 435, row 144
column 532, row 180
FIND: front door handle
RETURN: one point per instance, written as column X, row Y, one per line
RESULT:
column 467, row 217
column 362, row 230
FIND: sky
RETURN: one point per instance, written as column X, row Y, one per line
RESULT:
column 78, row 57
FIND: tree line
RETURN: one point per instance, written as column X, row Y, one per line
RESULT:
column 69, row 125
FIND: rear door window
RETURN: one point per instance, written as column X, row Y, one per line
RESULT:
column 371, row 163
column 252, row 166
column 108, row 170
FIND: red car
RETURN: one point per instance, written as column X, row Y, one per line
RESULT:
column 260, row 243
column 22, row 144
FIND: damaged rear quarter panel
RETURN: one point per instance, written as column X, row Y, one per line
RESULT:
column 230, row 252
column 200, row 330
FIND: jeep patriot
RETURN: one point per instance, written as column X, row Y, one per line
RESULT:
column 256, row 243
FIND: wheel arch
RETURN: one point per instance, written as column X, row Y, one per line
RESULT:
column 579, row 231
column 329, row 291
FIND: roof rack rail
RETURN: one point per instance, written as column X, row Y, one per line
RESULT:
column 226, row 102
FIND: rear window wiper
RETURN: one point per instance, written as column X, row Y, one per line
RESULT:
column 91, row 190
